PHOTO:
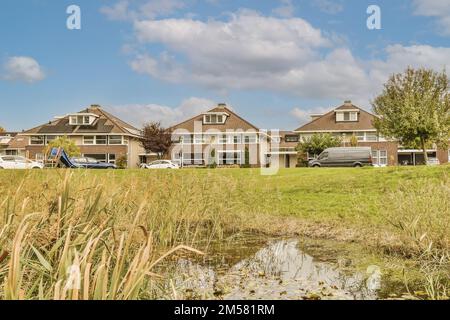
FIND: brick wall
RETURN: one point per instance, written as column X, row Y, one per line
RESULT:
column 390, row 147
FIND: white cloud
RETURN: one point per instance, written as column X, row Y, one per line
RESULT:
column 435, row 8
column 400, row 57
column 136, row 114
column 328, row 6
column 163, row 67
column 118, row 11
column 24, row 69
column 286, row 10
column 285, row 55
column 304, row 115
column 149, row 9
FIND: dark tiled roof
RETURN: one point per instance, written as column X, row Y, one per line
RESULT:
column 58, row 126
column 327, row 122
column 234, row 122
column 106, row 124
column 100, row 125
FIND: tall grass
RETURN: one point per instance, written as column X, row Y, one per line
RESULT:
column 420, row 212
column 104, row 235
column 76, row 235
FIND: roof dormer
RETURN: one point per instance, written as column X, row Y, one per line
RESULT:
column 215, row 117
column 347, row 113
column 82, row 119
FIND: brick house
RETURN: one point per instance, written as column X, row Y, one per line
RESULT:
column 12, row 144
column 218, row 136
column 349, row 120
column 97, row 133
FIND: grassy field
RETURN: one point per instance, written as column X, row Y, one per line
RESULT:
column 118, row 226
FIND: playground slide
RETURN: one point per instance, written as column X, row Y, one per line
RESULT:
column 63, row 157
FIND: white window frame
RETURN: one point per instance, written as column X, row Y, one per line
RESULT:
column 353, row 116
column 42, row 138
column 214, row 118
column 47, row 141
column 199, row 139
column 89, row 144
column 115, row 144
column 250, row 139
column 379, row 160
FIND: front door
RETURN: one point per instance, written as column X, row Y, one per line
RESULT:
column 287, row 161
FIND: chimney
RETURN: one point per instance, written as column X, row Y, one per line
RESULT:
column 348, row 103
column 222, row 105
column 95, row 106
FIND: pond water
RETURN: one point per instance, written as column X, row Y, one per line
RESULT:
column 277, row 269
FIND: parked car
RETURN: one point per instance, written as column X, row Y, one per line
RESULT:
column 17, row 162
column 160, row 164
column 433, row 162
column 91, row 163
column 343, row 157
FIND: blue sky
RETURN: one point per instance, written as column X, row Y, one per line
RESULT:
column 273, row 61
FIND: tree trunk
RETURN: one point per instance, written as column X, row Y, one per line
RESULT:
column 424, row 148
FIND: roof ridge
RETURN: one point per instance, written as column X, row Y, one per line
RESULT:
column 115, row 121
column 211, row 110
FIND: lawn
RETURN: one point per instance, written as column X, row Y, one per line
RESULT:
column 119, row 223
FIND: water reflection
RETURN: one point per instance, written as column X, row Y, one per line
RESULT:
column 279, row 270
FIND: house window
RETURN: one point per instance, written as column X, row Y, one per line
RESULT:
column 187, row 138
column 79, row 120
column 99, row 157
column 250, row 139
column 347, row 116
column 237, row 139
column 11, row 152
column 371, row 136
column 361, row 136
column 214, row 118
column 101, row 140
column 37, row 140
column 223, row 139
column 292, row 138
column 383, row 158
column 89, row 140
column 375, row 157
column 112, row 158
column 115, row 140
column 199, row 139
column 229, row 158
column 49, row 139
column 379, row 158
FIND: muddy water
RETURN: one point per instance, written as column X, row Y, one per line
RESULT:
column 277, row 269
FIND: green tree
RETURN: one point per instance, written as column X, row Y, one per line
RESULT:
column 122, row 162
column 317, row 143
column 354, row 141
column 68, row 145
column 414, row 108
column 246, row 158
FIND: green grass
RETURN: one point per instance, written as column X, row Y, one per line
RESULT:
column 402, row 212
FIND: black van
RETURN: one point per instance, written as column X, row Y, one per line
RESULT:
column 343, row 157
